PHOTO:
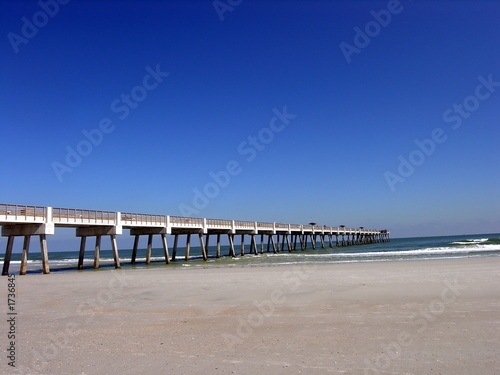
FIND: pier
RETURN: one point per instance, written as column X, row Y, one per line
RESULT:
column 28, row 221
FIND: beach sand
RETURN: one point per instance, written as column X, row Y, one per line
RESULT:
column 420, row 317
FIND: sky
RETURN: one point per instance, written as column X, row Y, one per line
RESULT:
column 382, row 114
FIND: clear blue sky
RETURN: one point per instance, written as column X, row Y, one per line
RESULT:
column 335, row 162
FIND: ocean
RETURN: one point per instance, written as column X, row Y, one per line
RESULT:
column 399, row 249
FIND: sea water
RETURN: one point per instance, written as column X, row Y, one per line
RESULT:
column 419, row 248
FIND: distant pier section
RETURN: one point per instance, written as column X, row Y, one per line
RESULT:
column 28, row 221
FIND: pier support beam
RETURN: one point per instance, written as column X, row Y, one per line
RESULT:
column 149, row 249
column 134, row 250
column 8, row 254
column 98, row 232
column 26, row 230
column 272, row 242
column 150, row 232
column 174, row 250
column 207, row 242
column 288, row 243
column 202, row 245
column 188, row 246
column 242, row 245
column 253, row 244
column 217, row 255
column 83, row 241
column 165, row 248
column 231, row 245
column 114, row 246
column 24, row 256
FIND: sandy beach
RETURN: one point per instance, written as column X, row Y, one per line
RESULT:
column 419, row 317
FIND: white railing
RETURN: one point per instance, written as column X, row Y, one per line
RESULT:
column 143, row 219
column 70, row 216
column 186, row 221
column 77, row 216
column 14, row 212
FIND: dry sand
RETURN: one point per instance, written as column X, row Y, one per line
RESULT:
column 421, row 317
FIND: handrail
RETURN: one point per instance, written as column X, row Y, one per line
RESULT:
column 219, row 223
column 65, row 214
column 19, row 211
column 265, row 225
column 192, row 221
column 144, row 218
column 244, row 224
column 11, row 212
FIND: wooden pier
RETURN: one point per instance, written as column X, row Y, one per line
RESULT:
column 28, row 221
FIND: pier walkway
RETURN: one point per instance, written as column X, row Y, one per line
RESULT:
column 27, row 221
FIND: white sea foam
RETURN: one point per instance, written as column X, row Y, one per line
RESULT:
column 416, row 252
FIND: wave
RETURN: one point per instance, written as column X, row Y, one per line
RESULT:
column 475, row 241
column 414, row 252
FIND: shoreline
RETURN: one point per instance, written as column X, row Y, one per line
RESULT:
column 356, row 318
column 107, row 265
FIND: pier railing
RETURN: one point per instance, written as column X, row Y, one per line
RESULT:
column 26, row 213
column 244, row 224
column 219, row 223
column 262, row 225
column 143, row 219
column 78, row 216
column 186, row 221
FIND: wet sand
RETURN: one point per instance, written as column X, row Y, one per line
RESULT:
column 420, row 317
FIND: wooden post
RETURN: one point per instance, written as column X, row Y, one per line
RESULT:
column 268, row 242
column 262, row 243
column 283, row 242
column 165, row 248
column 218, row 246
column 97, row 251
column 188, row 246
column 277, row 242
column 83, row 241
column 114, row 246
column 313, row 241
column 231, row 245
column 202, row 245
column 45, row 257
column 150, row 247
column 24, row 257
column 330, row 239
column 8, row 254
column 336, row 239
column 134, row 250
column 242, row 244
column 322, row 238
column 174, row 251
